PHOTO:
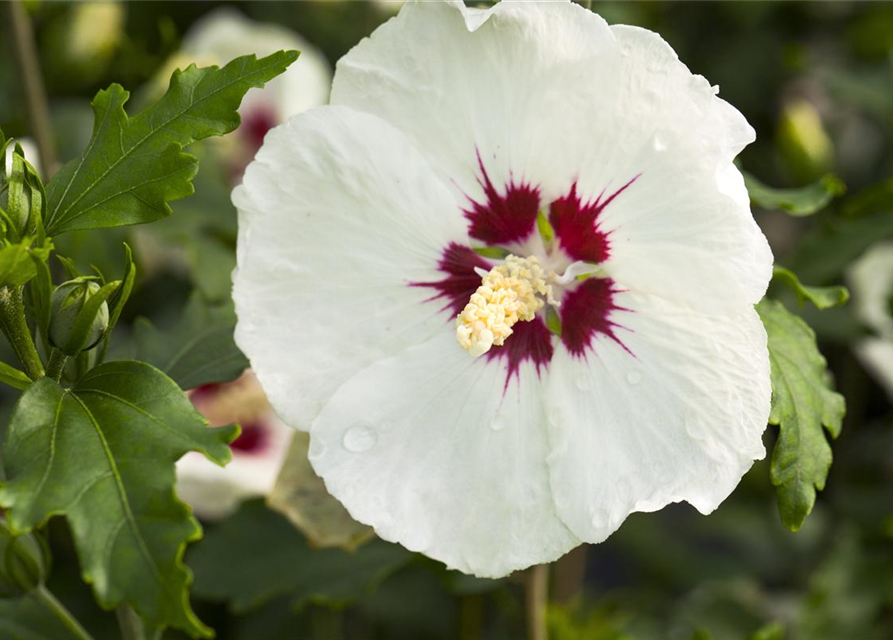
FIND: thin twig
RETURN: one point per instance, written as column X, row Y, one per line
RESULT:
column 32, row 83
column 537, row 594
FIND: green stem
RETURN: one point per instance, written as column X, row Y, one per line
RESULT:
column 536, row 588
column 56, row 365
column 15, row 328
column 130, row 623
column 570, row 574
column 32, row 82
column 49, row 601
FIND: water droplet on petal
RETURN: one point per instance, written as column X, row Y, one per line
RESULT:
column 633, row 377
column 600, row 518
column 554, row 418
column 660, row 143
column 498, row 422
column 317, row 448
column 584, row 382
column 359, row 439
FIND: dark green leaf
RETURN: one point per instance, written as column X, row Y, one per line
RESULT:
column 827, row 250
column 102, row 454
column 821, row 297
column 134, row 166
column 878, row 198
column 797, row 202
column 25, row 618
column 197, row 349
column 804, row 407
column 282, row 563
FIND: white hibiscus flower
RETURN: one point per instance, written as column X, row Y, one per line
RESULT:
column 871, row 279
column 455, row 129
column 213, row 491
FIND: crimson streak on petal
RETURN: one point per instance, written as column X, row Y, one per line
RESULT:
column 586, row 312
column 529, row 341
column 577, row 227
column 505, row 217
column 461, row 281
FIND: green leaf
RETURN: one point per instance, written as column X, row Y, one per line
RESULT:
column 197, row 349
column 821, row 297
column 803, row 406
column 772, row 631
column 17, row 261
column 134, row 166
column 282, row 563
column 13, row 377
column 828, row 249
column 102, row 454
column 797, row 202
column 119, row 298
column 25, row 618
column 877, row 198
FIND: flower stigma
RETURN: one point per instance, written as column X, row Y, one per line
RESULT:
column 509, row 293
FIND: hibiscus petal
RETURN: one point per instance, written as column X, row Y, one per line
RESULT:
column 337, row 216
column 551, row 99
column 671, row 410
column 435, row 451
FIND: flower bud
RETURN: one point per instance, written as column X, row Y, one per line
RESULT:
column 68, row 300
column 23, row 563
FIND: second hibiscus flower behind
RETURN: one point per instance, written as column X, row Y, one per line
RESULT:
column 507, row 281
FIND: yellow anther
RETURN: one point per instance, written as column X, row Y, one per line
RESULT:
column 509, row 293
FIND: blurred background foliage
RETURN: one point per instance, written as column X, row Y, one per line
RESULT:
column 815, row 79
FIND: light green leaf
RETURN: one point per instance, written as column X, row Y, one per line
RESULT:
column 13, row 377
column 821, row 297
column 197, row 349
column 134, row 166
column 281, row 563
column 797, row 202
column 804, row 407
column 17, row 261
column 102, row 454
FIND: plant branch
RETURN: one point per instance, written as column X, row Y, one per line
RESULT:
column 32, row 84
column 49, row 601
column 536, row 588
column 15, row 328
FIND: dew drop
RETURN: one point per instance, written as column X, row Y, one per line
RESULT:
column 498, row 422
column 359, row 439
column 633, row 377
column 584, row 382
column 599, row 518
column 554, row 418
column 317, row 449
column 660, row 144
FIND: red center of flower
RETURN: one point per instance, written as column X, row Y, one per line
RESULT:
column 507, row 218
